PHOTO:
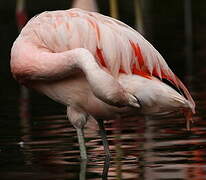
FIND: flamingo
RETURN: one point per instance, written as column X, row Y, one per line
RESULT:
column 98, row 67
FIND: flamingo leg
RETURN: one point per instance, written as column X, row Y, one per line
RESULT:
column 78, row 118
column 82, row 147
column 104, row 138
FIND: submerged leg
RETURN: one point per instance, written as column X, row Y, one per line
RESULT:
column 82, row 147
column 83, row 170
column 78, row 118
column 104, row 138
column 106, row 168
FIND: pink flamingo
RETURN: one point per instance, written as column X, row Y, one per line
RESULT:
column 98, row 67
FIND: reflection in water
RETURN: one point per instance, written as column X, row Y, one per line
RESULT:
column 150, row 148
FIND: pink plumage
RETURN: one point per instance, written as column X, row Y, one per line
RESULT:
column 99, row 56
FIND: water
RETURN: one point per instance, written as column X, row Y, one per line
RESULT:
column 44, row 146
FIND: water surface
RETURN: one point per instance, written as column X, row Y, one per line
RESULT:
column 44, row 146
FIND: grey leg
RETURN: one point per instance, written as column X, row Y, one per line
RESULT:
column 82, row 147
column 106, row 169
column 78, row 118
column 83, row 169
column 104, row 138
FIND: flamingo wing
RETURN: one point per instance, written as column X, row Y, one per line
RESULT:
column 138, row 56
column 116, row 46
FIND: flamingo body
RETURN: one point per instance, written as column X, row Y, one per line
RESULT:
column 95, row 65
column 156, row 98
